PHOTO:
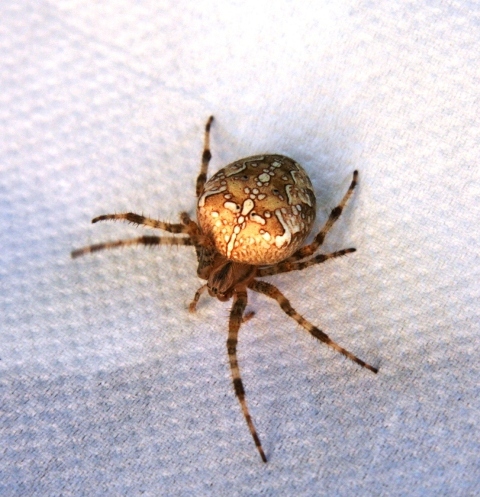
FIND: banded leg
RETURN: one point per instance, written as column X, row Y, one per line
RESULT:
column 274, row 293
column 142, row 221
column 334, row 215
column 285, row 267
column 206, row 156
column 236, row 318
column 142, row 240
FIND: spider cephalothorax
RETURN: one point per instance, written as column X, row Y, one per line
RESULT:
column 253, row 217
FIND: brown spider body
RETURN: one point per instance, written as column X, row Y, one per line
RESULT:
column 257, row 210
column 253, row 217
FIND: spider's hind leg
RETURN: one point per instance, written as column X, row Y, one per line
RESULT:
column 334, row 215
column 206, row 156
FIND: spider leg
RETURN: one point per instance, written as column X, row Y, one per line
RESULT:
column 142, row 240
column 193, row 304
column 142, row 220
column 285, row 267
column 236, row 318
column 307, row 250
column 203, row 246
column 191, row 228
column 206, row 156
column 274, row 293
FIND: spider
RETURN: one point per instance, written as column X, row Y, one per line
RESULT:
column 253, row 218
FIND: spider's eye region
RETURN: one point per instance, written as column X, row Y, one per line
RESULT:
column 258, row 210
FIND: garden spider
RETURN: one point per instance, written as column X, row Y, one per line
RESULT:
column 253, row 217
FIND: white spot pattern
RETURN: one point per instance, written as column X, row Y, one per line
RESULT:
column 258, row 210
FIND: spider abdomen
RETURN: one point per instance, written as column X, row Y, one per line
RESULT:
column 258, row 210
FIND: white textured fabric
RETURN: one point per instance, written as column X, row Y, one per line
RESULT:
column 108, row 385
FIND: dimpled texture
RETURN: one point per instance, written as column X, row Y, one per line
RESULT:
column 258, row 210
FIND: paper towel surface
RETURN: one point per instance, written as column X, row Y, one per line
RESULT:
column 108, row 385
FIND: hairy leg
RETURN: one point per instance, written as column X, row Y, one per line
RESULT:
column 285, row 267
column 274, row 293
column 142, row 240
column 236, row 318
column 303, row 252
column 142, row 221
column 206, row 156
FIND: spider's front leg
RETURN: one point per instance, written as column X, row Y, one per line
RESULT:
column 236, row 319
column 274, row 293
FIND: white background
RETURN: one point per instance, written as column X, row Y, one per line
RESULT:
column 108, row 385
